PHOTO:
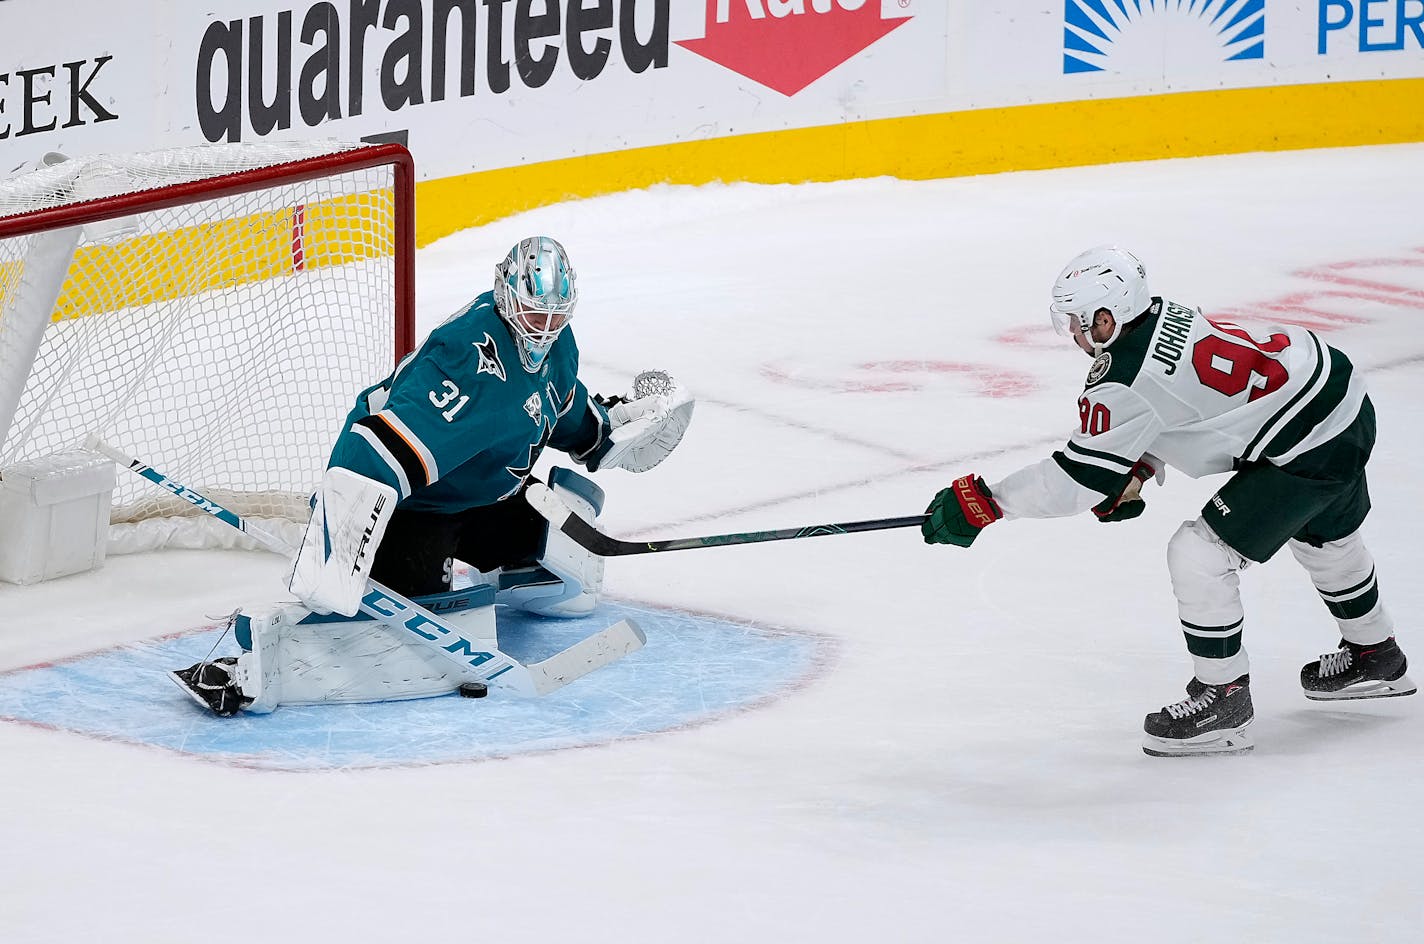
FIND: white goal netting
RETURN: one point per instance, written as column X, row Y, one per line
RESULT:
column 210, row 310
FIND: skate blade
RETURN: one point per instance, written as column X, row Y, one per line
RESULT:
column 1375, row 689
column 187, row 688
column 1224, row 742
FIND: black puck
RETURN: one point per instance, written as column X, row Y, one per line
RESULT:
column 474, row 690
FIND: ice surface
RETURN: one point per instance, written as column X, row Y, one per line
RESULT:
column 694, row 669
column 969, row 769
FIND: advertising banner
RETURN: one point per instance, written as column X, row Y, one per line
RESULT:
column 1081, row 49
column 480, row 85
column 470, row 84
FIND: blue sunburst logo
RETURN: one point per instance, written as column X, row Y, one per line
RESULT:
column 1133, row 36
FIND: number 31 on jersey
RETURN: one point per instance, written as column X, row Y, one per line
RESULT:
column 448, row 393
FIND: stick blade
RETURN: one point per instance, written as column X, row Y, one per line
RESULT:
column 602, row 648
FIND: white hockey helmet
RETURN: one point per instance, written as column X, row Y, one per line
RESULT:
column 535, row 294
column 1102, row 277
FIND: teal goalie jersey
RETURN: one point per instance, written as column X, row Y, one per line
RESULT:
column 460, row 423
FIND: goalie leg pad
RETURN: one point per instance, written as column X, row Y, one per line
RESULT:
column 298, row 657
column 347, row 524
column 258, row 671
column 569, row 577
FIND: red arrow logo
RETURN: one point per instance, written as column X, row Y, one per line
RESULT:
column 787, row 52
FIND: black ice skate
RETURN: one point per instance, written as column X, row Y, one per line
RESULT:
column 212, row 685
column 1355, row 671
column 1212, row 719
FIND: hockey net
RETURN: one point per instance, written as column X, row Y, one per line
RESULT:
column 212, row 310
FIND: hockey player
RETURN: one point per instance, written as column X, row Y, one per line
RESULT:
column 1284, row 412
column 430, row 468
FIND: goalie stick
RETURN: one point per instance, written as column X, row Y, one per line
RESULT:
column 561, row 516
column 478, row 662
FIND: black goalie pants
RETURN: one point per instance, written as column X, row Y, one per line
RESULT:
column 417, row 554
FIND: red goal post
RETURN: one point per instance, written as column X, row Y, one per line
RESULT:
column 214, row 309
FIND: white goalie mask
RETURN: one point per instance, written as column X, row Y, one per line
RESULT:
column 1103, row 277
column 535, row 294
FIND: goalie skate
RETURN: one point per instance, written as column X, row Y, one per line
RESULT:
column 1212, row 719
column 1355, row 671
column 213, row 686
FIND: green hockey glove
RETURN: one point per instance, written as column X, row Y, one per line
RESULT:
column 958, row 513
column 1130, row 503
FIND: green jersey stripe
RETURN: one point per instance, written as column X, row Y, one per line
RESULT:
column 1092, row 477
column 1318, row 410
column 1271, row 427
column 1126, row 464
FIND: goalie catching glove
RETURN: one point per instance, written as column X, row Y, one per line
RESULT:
column 349, row 518
column 644, row 426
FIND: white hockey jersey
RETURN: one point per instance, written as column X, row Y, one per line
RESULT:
column 1203, row 396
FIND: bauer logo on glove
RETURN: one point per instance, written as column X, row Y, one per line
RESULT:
column 958, row 513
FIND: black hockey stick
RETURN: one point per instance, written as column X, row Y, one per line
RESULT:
column 561, row 516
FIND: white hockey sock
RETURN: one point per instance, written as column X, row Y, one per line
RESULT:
column 1221, row 671
column 1343, row 572
column 1206, row 582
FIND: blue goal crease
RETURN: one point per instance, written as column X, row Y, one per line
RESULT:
column 694, row 668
